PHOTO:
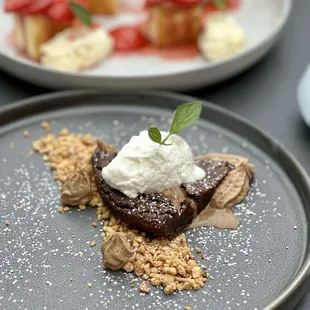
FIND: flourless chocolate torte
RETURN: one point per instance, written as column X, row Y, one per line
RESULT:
column 163, row 214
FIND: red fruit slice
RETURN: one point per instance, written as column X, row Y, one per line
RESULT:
column 37, row 6
column 128, row 38
column 61, row 12
column 16, row 5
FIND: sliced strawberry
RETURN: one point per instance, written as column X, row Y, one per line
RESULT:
column 61, row 12
column 128, row 38
column 37, row 6
column 16, row 5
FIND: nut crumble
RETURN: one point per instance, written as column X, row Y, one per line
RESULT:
column 144, row 287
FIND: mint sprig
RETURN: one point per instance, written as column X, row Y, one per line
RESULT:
column 221, row 4
column 81, row 13
column 185, row 116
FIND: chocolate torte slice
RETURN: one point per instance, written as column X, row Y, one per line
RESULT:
column 167, row 213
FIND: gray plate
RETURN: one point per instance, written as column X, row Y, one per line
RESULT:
column 46, row 261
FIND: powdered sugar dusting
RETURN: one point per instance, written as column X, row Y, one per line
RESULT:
column 46, row 258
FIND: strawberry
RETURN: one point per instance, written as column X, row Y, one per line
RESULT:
column 59, row 11
column 128, row 38
column 37, row 6
column 16, row 5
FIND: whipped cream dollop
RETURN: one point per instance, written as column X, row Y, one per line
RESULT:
column 222, row 37
column 75, row 49
column 143, row 166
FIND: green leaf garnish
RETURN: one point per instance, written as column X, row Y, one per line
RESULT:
column 221, row 4
column 185, row 116
column 81, row 13
column 155, row 134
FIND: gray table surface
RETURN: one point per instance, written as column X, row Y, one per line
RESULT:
column 265, row 95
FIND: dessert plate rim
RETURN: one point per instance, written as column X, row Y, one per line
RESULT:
column 199, row 76
column 43, row 103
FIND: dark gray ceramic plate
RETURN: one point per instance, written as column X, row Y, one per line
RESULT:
column 45, row 258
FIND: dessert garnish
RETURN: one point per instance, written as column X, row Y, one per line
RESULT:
column 128, row 38
column 148, row 164
column 76, row 49
column 117, row 251
column 221, row 4
column 221, row 38
column 185, row 116
column 77, row 190
column 81, row 13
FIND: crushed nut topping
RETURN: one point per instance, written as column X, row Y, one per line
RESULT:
column 46, row 126
column 165, row 262
column 144, row 287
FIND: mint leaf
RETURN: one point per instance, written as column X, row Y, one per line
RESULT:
column 185, row 116
column 221, row 4
column 81, row 13
column 155, row 135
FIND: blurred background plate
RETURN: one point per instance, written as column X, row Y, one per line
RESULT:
column 263, row 21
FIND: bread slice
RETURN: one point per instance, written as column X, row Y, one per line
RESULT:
column 106, row 7
column 31, row 31
column 163, row 214
column 170, row 24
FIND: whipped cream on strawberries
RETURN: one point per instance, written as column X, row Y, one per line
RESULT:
column 75, row 49
column 143, row 166
column 222, row 37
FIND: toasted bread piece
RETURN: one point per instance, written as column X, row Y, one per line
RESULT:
column 170, row 24
column 106, row 7
column 31, row 31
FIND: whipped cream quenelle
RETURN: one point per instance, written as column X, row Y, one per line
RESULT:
column 76, row 49
column 222, row 37
column 143, row 166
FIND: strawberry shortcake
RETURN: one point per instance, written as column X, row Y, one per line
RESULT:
column 37, row 21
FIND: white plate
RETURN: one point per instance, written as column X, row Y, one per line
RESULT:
column 263, row 21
